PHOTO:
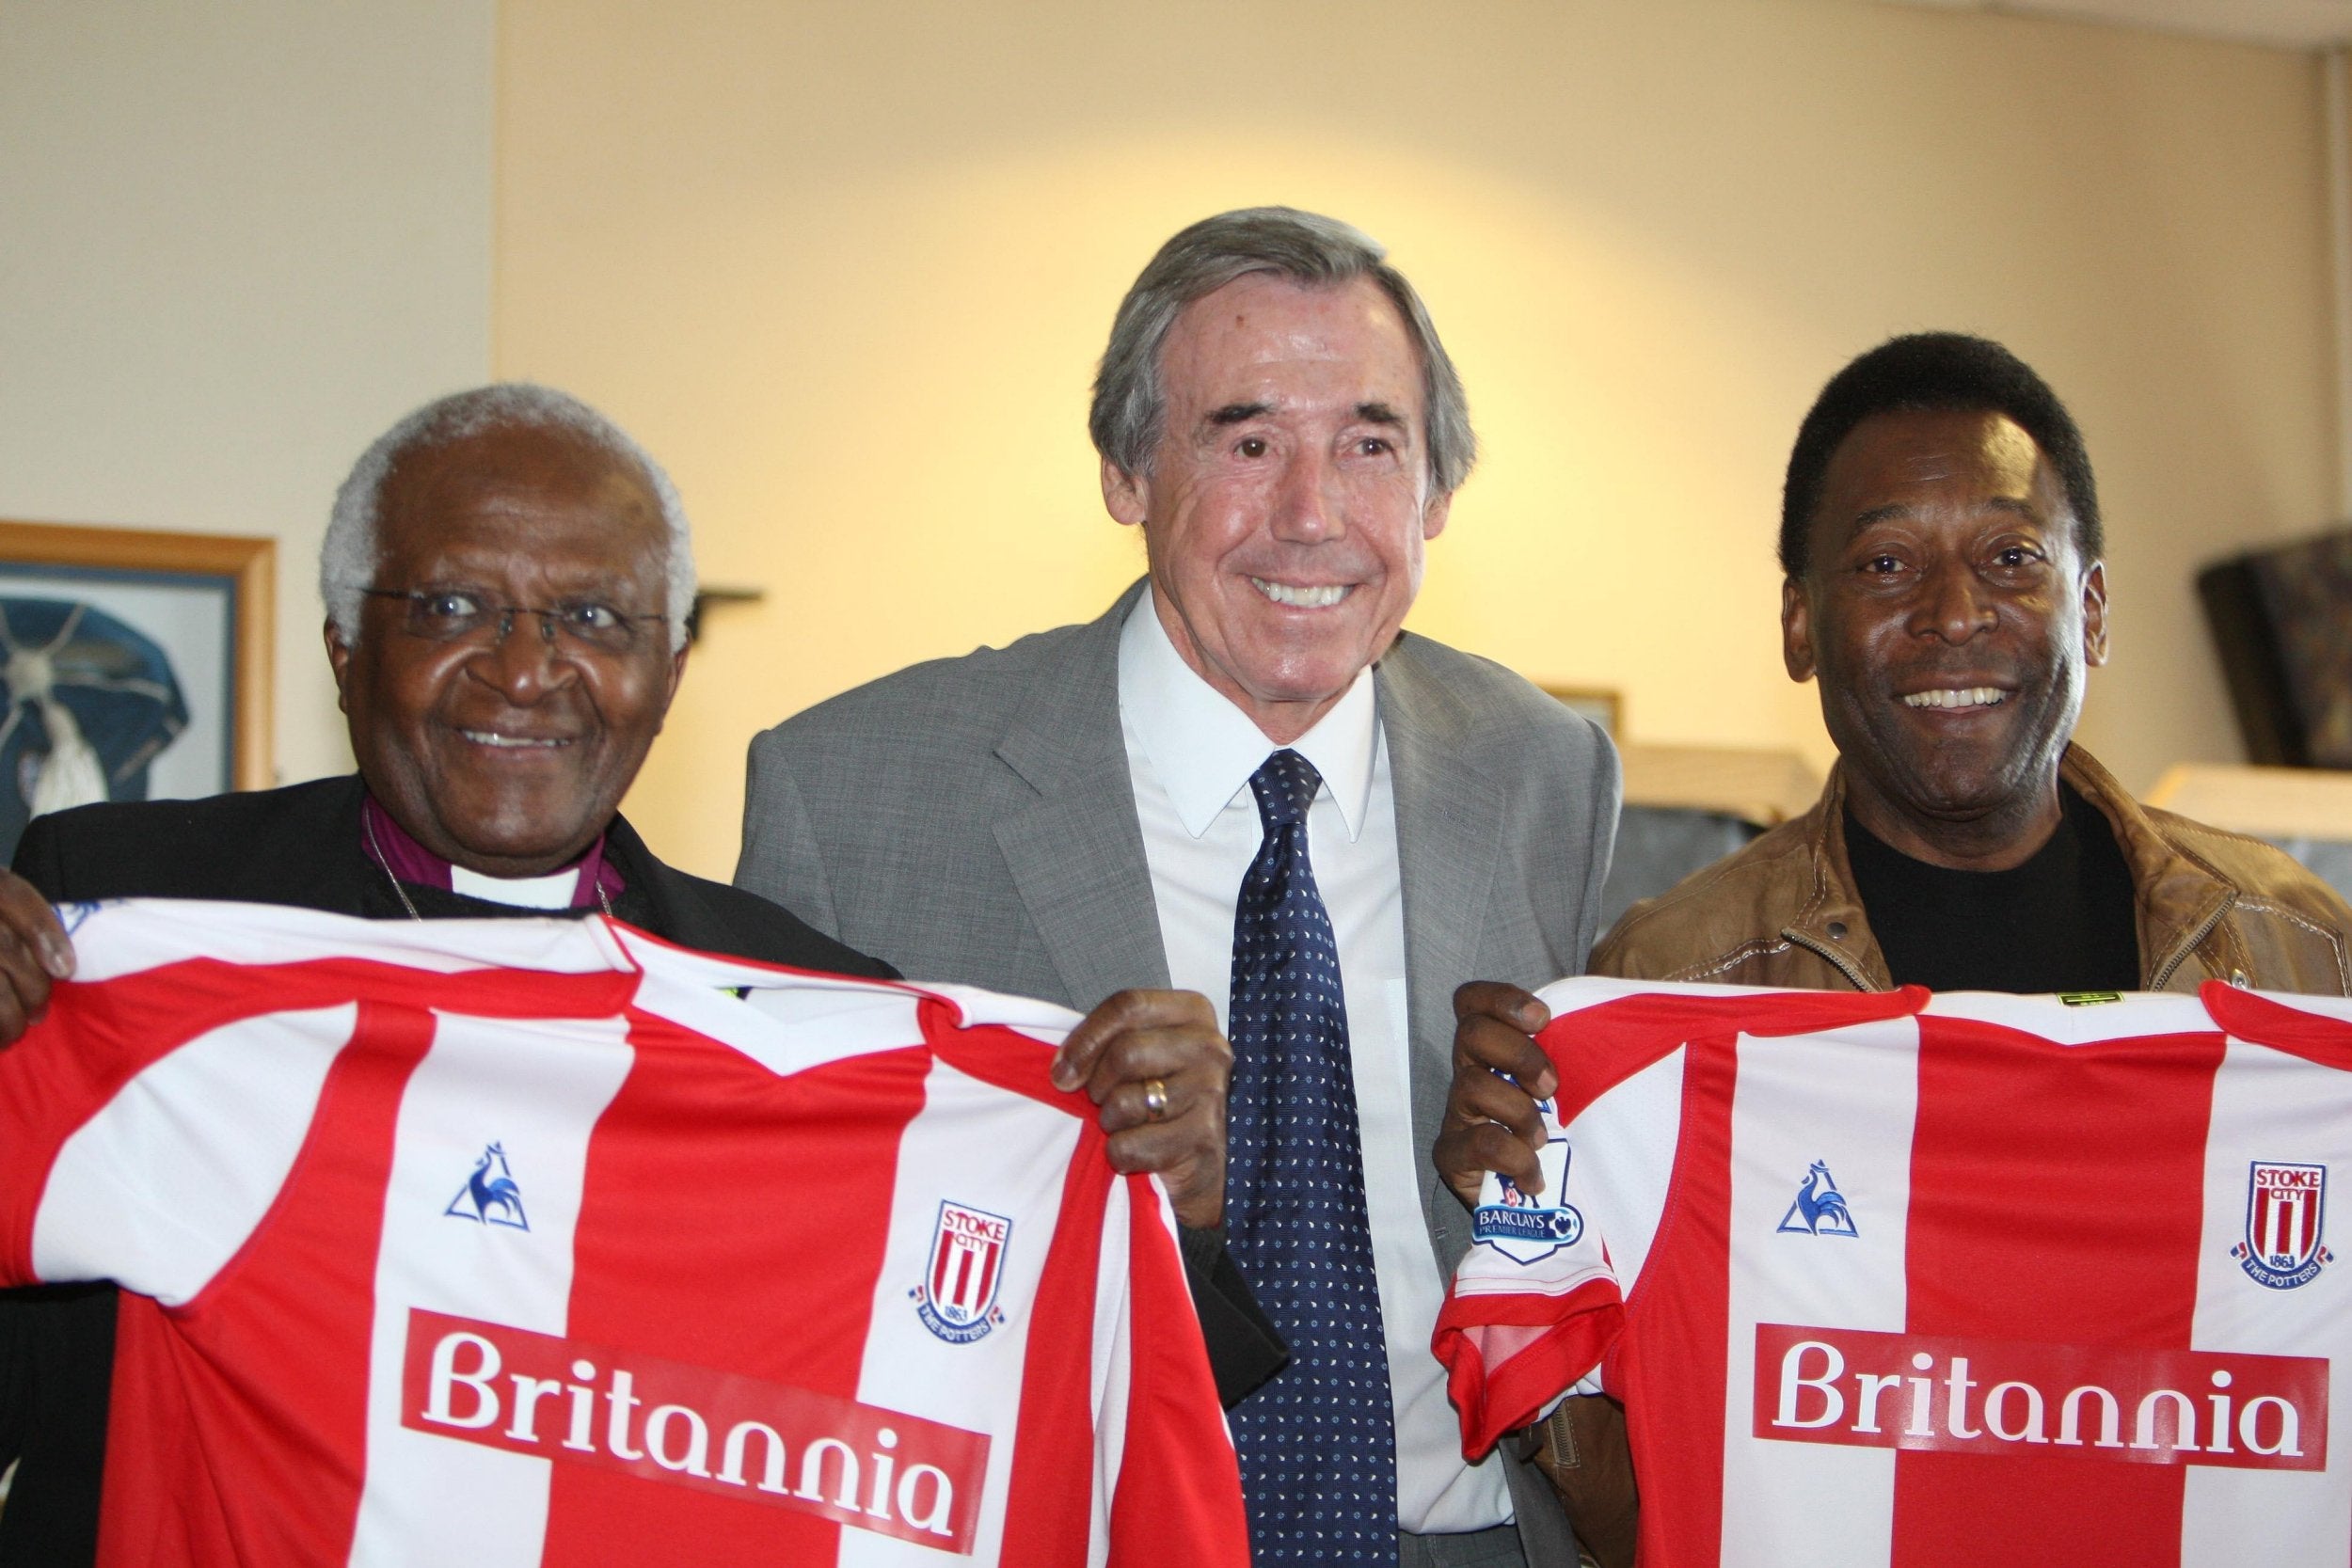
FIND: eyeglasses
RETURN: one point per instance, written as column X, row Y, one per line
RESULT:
column 467, row 615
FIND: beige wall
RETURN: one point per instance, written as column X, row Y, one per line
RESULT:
column 235, row 242
column 849, row 278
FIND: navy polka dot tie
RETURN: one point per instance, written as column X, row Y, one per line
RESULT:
column 1318, row 1444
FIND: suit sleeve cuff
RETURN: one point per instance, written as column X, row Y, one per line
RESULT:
column 1244, row 1348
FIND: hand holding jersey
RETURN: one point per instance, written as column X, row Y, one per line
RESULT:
column 1491, row 1124
column 33, row 952
column 1155, row 1064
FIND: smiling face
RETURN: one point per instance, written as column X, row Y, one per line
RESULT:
column 1288, row 500
column 509, row 757
column 1949, row 616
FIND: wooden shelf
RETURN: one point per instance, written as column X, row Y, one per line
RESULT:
column 1760, row 786
column 2269, row 803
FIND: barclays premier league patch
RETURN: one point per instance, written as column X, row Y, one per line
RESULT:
column 1527, row 1226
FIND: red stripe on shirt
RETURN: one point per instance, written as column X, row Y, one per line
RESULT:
column 2110, row 1137
column 303, row 1287
column 1670, row 1362
column 787, row 1299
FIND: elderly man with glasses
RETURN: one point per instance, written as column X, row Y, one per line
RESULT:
column 507, row 577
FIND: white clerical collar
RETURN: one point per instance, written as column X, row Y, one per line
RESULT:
column 1203, row 749
column 551, row 892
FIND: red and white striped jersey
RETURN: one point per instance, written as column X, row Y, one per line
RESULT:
column 1935, row 1281
column 542, row 1241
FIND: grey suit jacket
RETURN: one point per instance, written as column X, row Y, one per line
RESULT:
column 972, row 819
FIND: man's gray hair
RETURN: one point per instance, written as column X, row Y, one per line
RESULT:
column 1130, row 408
column 348, row 559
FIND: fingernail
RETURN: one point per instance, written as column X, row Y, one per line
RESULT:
column 56, row 957
column 1063, row 1078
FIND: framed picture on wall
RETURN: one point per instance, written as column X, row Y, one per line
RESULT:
column 1599, row 704
column 135, row 666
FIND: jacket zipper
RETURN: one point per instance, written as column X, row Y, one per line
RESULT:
column 1845, row 965
column 2180, row 954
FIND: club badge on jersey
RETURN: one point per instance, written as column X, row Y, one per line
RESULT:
column 1520, row 1224
column 2285, row 1205
column 957, row 1299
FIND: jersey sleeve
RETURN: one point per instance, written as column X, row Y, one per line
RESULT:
column 148, row 1122
column 138, row 1145
column 1539, row 1298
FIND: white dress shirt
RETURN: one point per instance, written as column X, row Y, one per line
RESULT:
column 1190, row 754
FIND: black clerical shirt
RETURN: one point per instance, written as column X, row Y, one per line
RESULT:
column 2061, row 921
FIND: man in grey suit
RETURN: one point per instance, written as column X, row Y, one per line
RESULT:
column 1077, row 813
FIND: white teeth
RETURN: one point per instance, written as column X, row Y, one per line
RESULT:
column 1302, row 598
column 1972, row 696
column 491, row 737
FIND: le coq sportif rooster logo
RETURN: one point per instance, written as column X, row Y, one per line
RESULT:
column 1821, row 1207
column 491, row 1195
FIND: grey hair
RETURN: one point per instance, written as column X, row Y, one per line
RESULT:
column 1130, row 406
column 349, row 556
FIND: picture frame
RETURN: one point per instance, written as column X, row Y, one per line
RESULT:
column 1601, row 704
column 135, row 663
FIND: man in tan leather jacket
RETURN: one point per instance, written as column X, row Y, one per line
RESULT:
column 1941, row 544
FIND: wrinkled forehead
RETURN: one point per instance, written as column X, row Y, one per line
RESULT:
column 539, row 497
column 1939, row 464
column 1261, row 325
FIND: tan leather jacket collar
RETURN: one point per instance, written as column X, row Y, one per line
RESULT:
column 1831, row 924
column 2178, row 901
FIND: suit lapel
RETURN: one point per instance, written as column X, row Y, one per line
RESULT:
column 1449, row 839
column 1076, row 851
